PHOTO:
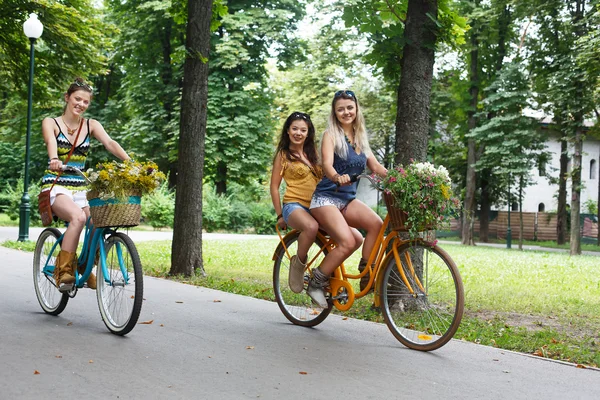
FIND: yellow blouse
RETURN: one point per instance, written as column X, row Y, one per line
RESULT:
column 301, row 181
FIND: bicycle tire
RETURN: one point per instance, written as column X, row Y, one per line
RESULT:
column 430, row 316
column 296, row 307
column 120, row 299
column 51, row 300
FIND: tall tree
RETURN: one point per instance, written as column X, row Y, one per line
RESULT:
column 240, row 124
column 414, row 90
column 186, row 252
column 404, row 35
column 513, row 144
column 468, row 216
column 563, row 90
column 146, row 78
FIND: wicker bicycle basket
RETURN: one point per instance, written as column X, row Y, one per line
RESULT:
column 114, row 212
column 397, row 216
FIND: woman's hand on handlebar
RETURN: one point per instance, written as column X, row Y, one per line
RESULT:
column 343, row 180
column 55, row 165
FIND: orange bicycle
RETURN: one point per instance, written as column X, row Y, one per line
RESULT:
column 416, row 285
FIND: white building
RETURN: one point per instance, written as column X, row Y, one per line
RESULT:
column 542, row 195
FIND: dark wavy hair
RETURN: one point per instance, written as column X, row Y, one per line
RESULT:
column 78, row 84
column 309, row 144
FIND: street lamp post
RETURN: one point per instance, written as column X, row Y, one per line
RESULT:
column 33, row 29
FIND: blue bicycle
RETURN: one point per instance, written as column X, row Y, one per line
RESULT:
column 120, row 283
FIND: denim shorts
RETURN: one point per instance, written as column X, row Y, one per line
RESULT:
column 288, row 208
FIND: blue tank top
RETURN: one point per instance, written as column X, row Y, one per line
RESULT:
column 355, row 164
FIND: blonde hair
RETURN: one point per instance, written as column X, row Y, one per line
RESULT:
column 335, row 130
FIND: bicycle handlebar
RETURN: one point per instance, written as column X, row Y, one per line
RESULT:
column 355, row 177
column 70, row 168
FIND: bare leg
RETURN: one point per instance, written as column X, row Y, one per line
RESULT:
column 67, row 210
column 304, row 222
column 359, row 215
column 332, row 220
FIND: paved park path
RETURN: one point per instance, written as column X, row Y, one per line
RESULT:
column 199, row 343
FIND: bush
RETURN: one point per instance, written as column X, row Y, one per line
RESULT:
column 215, row 210
column 245, row 207
column 158, row 207
column 262, row 218
column 239, row 215
column 591, row 207
column 11, row 196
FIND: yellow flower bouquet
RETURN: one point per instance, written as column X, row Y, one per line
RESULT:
column 116, row 189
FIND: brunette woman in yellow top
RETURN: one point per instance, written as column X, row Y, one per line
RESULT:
column 296, row 162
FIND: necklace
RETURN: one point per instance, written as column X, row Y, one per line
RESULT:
column 350, row 143
column 69, row 130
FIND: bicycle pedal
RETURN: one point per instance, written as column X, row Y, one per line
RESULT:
column 66, row 287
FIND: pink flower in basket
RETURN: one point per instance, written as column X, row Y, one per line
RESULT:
column 420, row 196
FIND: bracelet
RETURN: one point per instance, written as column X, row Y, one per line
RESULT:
column 335, row 178
column 54, row 158
column 279, row 216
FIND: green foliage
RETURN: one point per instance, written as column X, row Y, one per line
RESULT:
column 73, row 30
column 239, row 127
column 262, row 216
column 382, row 22
column 244, row 208
column 215, row 210
column 11, row 200
column 512, row 143
column 591, row 207
column 158, row 207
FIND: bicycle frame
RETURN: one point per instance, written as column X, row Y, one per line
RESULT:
column 341, row 289
column 93, row 239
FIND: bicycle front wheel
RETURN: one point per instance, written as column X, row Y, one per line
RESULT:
column 297, row 307
column 423, row 298
column 120, row 292
column 52, row 301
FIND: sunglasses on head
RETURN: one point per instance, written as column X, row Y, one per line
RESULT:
column 83, row 85
column 300, row 115
column 346, row 92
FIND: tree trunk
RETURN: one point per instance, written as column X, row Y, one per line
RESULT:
column 521, row 213
column 221, row 178
column 578, row 147
column 471, row 178
column 414, row 91
column 484, row 212
column 576, row 190
column 186, row 252
column 598, row 204
column 561, row 213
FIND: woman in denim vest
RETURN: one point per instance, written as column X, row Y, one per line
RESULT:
column 345, row 152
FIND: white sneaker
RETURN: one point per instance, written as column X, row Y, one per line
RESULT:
column 317, row 294
column 296, row 274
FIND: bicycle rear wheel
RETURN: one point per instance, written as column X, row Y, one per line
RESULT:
column 52, row 301
column 297, row 307
column 120, row 294
column 427, row 317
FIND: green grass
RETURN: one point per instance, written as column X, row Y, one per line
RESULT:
column 533, row 302
column 6, row 221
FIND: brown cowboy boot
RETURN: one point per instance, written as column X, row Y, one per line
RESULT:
column 91, row 282
column 63, row 271
column 364, row 281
